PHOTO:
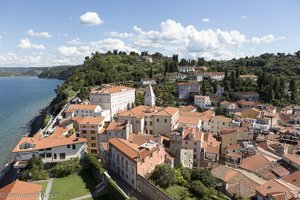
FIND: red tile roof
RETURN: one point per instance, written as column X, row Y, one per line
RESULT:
column 20, row 190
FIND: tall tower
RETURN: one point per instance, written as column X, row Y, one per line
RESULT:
column 149, row 97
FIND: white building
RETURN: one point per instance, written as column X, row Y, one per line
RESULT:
column 149, row 99
column 217, row 76
column 202, row 101
column 50, row 149
column 84, row 110
column 197, row 77
column 184, row 90
column 177, row 76
column 186, row 68
column 147, row 81
column 114, row 98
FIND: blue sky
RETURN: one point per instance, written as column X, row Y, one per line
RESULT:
column 56, row 32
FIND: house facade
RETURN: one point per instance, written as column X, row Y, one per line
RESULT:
column 50, row 149
column 85, row 110
column 91, row 128
column 114, row 98
column 186, row 69
column 129, row 160
column 184, row 90
column 202, row 101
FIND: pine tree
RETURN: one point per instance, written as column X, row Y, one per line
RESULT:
column 293, row 90
column 203, row 87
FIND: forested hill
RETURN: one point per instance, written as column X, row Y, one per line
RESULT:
column 117, row 67
column 58, row 72
column 21, row 71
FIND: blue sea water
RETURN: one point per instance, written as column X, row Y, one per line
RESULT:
column 21, row 99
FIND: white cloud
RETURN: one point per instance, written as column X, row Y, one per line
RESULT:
column 0, row 37
column 244, row 17
column 205, row 20
column 41, row 34
column 266, row 39
column 90, row 19
column 187, row 41
column 110, row 44
column 120, row 35
column 67, row 50
column 75, row 41
column 26, row 44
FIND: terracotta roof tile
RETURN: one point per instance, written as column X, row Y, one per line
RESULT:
column 44, row 143
column 82, row 107
column 92, row 120
column 111, row 89
column 273, row 186
column 20, row 190
column 254, row 163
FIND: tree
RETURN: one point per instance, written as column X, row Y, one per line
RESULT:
column 201, row 62
column 233, row 80
column 237, row 73
column 198, row 188
column 183, row 62
column 205, row 176
column 293, row 90
column 151, row 72
column 163, row 175
column 203, row 87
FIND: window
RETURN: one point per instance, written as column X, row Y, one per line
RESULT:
column 73, row 146
column 132, row 181
column 150, row 123
column 55, row 156
column 68, row 146
column 195, row 143
column 94, row 138
column 84, row 131
column 93, row 132
column 62, row 156
column 157, row 120
column 48, row 155
column 42, row 155
column 93, row 144
column 93, row 151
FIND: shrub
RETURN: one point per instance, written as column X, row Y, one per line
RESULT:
column 34, row 170
column 93, row 163
column 164, row 175
column 204, row 176
column 66, row 168
column 199, row 189
column 178, row 192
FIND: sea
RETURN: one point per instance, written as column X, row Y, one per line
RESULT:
column 21, row 100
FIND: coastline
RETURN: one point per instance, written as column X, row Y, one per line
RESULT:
column 7, row 172
column 36, row 123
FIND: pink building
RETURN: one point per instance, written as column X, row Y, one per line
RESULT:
column 204, row 146
column 129, row 160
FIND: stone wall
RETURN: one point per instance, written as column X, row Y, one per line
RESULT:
column 150, row 191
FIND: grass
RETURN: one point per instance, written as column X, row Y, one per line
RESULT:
column 44, row 186
column 73, row 186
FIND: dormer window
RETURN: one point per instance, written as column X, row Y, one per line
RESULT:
column 26, row 146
